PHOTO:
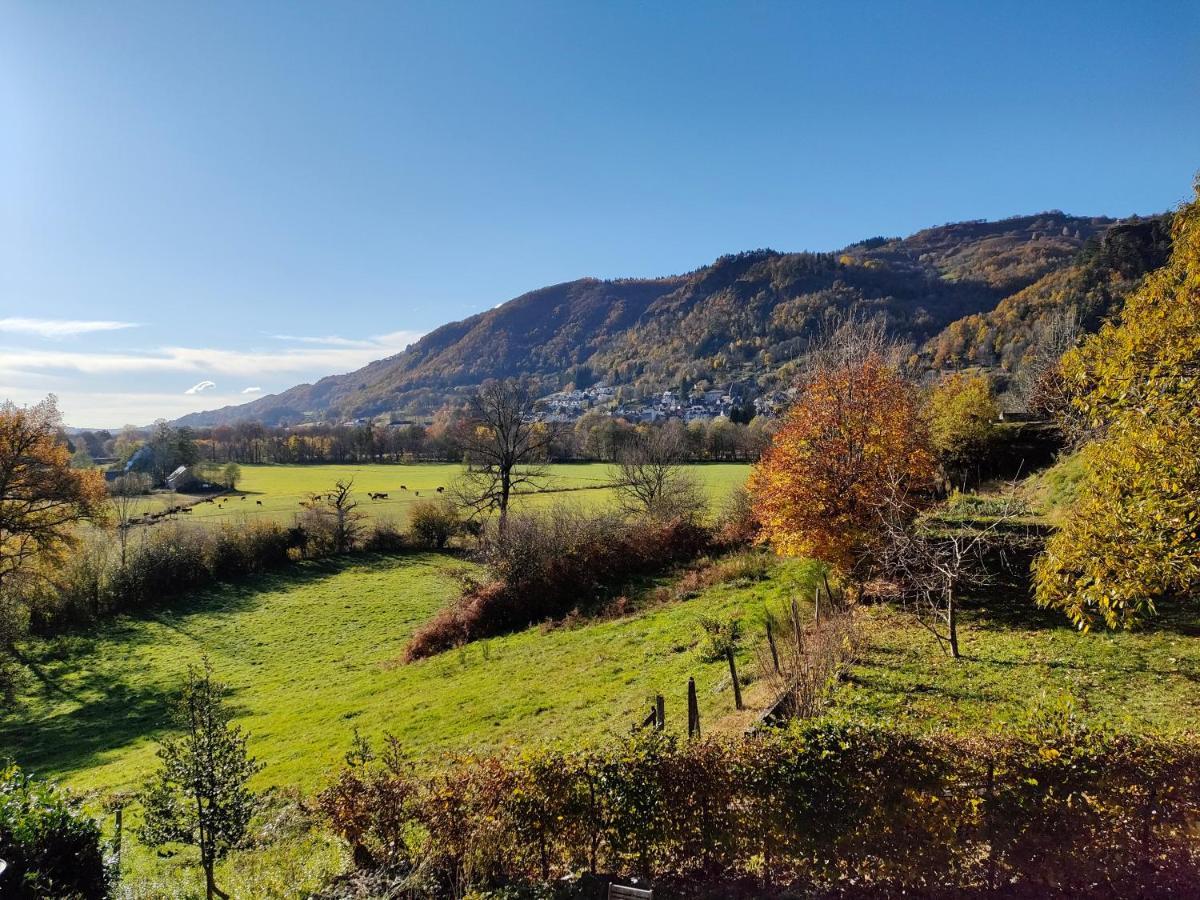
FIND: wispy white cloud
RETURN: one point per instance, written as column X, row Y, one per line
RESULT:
column 318, row 360
column 60, row 328
column 201, row 387
column 331, row 340
column 252, row 390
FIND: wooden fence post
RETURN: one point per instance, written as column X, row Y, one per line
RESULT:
column 660, row 712
column 771, row 642
column 817, row 606
column 693, row 710
column 737, row 688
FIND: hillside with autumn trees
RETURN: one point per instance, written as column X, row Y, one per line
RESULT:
column 968, row 293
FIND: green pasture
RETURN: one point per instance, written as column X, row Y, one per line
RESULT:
column 312, row 654
column 276, row 492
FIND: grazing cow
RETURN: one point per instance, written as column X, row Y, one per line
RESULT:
column 243, row 497
column 259, row 502
column 439, row 490
column 377, row 495
column 404, row 487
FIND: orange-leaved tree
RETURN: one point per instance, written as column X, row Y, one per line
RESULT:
column 41, row 496
column 41, row 500
column 854, row 440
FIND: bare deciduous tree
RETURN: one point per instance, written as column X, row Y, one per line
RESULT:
column 504, row 446
column 334, row 518
column 124, row 496
column 650, row 477
column 931, row 562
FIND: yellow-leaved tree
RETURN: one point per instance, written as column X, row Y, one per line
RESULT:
column 41, row 500
column 963, row 416
column 1133, row 538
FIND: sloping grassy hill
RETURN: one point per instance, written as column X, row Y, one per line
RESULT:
column 312, row 655
column 1017, row 658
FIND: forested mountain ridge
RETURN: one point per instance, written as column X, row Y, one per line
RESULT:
column 968, row 291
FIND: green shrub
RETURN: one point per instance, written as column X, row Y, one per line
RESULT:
column 52, row 849
column 433, row 522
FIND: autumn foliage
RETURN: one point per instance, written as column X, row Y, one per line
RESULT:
column 855, row 436
column 41, row 496
column 819, row 809
column 1133, row 539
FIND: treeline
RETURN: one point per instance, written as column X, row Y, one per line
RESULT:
column 819, row 808
column 595, row 436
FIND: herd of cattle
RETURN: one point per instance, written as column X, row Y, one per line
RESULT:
column 152, row 518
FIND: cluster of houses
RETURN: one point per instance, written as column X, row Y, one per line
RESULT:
column 696, row 405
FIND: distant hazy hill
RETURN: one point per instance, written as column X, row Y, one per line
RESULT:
column 973, row 289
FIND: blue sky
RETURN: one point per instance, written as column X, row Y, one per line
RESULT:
column 258, row 194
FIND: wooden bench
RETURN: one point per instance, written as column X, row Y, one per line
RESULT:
column 620, row 892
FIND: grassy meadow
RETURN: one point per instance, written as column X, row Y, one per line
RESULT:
column 312, row 655
column 276, row 492
column 315, row 653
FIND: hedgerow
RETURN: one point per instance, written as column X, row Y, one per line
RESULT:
column 814, row 807
column 547, row 565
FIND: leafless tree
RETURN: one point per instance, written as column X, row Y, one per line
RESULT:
column 1036, row 384
column 930, row 562
column 505, row 448
column 125, row 494
column 847, row 339
column 650, row 477
column 333, row 518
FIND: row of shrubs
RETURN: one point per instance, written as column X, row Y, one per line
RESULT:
column 813, row 809
column 546, row 565
column 170, row 559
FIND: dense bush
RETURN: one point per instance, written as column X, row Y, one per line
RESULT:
column 812, row 808
column 433, row 522
column 52, row 850
column 546, row 565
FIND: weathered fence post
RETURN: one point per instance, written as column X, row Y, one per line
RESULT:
column 817, row 606
column 660, row 712
column 771, row 642
column 737, row 688
column 693, row 710
column 796, row 629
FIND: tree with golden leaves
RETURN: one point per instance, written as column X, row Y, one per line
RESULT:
column 41, row 496
column 1132, row 539
column 827, row 483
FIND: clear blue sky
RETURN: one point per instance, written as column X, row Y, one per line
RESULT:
column 228, row 177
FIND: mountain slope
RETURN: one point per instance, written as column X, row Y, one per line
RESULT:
column 745, row 317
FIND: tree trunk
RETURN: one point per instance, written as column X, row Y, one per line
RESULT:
column 210, row 883
column 952, row 621
column 505, row 488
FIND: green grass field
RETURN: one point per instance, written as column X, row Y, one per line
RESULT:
column 1016, row 658
column 276, row 492
column 316, row 653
